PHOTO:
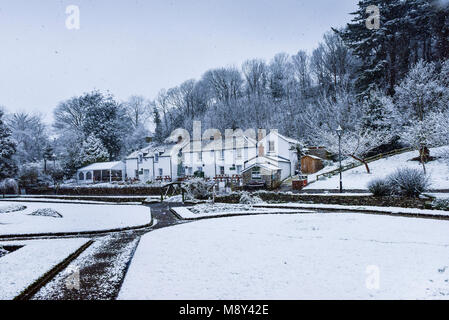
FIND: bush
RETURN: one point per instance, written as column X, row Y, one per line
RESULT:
column 408, row 182
column 33, row 175
column 9, row 186
column 379, row 187
column 198, row 188
column 441, row 204
column 247, row 198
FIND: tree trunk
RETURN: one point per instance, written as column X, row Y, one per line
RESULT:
column 362, row 161
column 422, row 155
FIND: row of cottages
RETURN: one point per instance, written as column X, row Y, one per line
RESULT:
column 214, row 157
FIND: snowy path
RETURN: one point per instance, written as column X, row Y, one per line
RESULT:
column 323, row 256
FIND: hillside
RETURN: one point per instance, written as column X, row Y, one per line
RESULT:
column 357, row 178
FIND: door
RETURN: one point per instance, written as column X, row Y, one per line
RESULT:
column 146, row 175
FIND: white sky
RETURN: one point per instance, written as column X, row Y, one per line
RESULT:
column 139, row 47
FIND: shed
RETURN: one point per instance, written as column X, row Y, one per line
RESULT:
column 311, row 164
column 101, row 172
column 262, row 173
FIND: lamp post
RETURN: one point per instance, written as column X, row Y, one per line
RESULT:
column 340, row 133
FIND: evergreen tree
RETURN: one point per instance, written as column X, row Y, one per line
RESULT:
column 106, row 120
column 8, row 167
column 377, row 111
column 93, row 151
column 158, row 132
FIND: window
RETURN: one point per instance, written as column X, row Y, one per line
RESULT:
column 161, row 172
column 271, row 146
column 189, row 171
column 222, row 170
column 199, row 169
column 200, row 156
column 89, row 176
column 156, row 157
column 239, row 153
column 140, row 158
column 222, row 154
column 239, row 169
column 255, row 173
column 81, row 176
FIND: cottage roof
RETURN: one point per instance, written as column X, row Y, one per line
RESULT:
column 267, row 166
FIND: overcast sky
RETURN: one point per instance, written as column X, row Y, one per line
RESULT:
column 139, row 47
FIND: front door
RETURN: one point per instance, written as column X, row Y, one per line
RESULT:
column 146, row 175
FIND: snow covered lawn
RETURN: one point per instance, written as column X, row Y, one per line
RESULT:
column 358, row 179
column 322, row 256
column 220, row 209
column 21, row 268
column 75, row 218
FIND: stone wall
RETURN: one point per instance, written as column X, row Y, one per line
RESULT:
column 274, row 197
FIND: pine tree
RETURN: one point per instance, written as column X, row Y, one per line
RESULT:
column 93, row 151
column 158, row 133
column 8, row 167
column 377, row 111
column 384, row 52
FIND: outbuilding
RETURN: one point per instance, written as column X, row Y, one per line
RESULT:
column 311, row 164
column 102, row 172
column 262, row 174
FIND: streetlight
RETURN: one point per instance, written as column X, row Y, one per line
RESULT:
column 340, row 133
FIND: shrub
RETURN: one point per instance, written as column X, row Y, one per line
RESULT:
column 9, row 186
column 198, row 188
column 408, row 182
column 379, row 187
column 247, row 198
column 441, row 204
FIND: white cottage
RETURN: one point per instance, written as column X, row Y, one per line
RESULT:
column 154, row 163
column 212, row 156
column 278, row 150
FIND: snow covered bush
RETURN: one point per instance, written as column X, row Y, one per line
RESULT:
column 379, row 187
column 3, row 251
column 198, row 189
column 12, row 208
column 32, row 174
column 9, row 186
column 247, row 198
column 46, row 212
column 441, row 204
column 408, row 182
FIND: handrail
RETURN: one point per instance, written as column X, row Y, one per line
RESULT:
column 367, row 160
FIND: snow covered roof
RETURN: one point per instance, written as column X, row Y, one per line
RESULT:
column 313, row 157
column 289, row 140
column 268, row 158
column 150, row 150
column 116, row 165
column 268, row 166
